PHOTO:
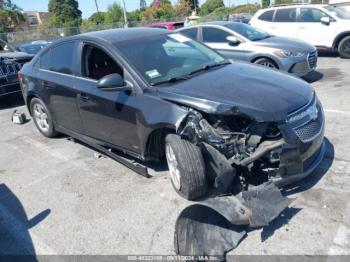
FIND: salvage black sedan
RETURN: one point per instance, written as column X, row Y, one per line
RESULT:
column 152, row 94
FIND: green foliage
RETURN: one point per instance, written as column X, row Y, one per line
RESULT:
column 65, row 13
column 283, row 2
column 97, row 18
column 114, row 13
column 10, row 16
column 134, row 15
column 210, row 5
column 165, row 11
column 223, row 12
column 265, row 3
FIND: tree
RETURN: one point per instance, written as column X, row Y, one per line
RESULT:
column 165, row 11
column 143, row 5
column 10, row 16
column 210, row 5
column 114, row 13
column 97, row 18
column 65, row 13
column 183, row 8
column 265, row 3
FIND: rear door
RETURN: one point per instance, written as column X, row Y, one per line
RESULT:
column 284, row 22
column 312, row 30
column 57, row 75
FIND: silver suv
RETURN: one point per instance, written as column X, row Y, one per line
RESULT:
column 242, row 42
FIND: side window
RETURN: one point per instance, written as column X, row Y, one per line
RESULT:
column 267, row 16
column 63, row 55
column 159, row 26
column 45, row 61
column 192, row 33
column 214, row 35
column 311, row 15
column 286, row 15
column 97, row 64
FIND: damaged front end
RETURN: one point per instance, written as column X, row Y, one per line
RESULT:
column 240, row 152
column 246, row 161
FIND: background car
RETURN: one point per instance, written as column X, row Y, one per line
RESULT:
column 11, row 61
column 243, row 18
column 242, row 42
column 33, row 47
column 324, row 26
column 166, row 25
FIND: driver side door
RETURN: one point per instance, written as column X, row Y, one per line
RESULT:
column 107, row 115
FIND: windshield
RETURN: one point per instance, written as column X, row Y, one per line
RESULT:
column 338, row 12
column 168, row 57
column 247, row 31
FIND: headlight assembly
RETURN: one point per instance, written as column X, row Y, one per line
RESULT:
column 285, row 53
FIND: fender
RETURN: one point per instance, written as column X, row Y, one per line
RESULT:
column 338, row 38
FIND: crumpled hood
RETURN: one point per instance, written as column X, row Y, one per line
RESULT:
column 16, row 55
column 288, row 44
column 254, row 91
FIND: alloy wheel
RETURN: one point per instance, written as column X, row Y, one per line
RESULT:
column 173, row 167
column 41, row 117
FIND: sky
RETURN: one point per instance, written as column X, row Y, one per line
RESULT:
column 88, row 6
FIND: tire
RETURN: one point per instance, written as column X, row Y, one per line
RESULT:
column 42, row 117
column 266, row 62
column 344, row 47
column 186, row 167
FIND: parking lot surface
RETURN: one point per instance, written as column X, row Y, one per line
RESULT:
column 56, row 197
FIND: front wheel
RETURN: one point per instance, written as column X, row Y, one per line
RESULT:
column 186, row 167
column 42, row 117
column 344, row 47
column 265, row 62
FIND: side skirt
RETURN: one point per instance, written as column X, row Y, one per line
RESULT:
column 132, row 164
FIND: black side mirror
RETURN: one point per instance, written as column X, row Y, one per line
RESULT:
column 113, row 82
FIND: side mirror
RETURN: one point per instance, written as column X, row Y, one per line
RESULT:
column 113, row 82
column 325, row 20
column 233, row 40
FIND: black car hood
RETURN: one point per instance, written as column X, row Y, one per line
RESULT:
column 242, row 89
column 285, row 43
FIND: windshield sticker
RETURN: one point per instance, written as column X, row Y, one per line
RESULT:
column 180, row 38
column 153, row 73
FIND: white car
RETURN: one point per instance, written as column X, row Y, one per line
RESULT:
column 323, row 26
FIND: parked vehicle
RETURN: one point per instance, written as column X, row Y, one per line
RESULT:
column 150, row 93
column 242, row 18
column 243, row 42
column 10, row 63
column 31, row 48
column 323, row 26
column 166, row 25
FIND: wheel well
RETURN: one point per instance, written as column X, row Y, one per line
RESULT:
column 155, row 147
column 29, row 99
column 265, row 57
column 339, row 38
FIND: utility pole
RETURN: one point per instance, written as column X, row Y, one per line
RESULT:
column 125, row 16
column 98, row 13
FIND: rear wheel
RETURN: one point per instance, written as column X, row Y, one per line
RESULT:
column 344, row 47
column 186, row 167
column 265, row 62
column 42, row 117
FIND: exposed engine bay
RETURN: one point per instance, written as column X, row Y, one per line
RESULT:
column 251, row 149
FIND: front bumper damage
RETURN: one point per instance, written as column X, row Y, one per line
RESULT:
column 217, row 225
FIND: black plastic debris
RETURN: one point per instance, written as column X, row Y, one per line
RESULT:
column 18, row 118
column 217, row 225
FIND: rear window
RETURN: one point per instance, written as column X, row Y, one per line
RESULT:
column 45, row 61
column 267, row 16
column 286, row 15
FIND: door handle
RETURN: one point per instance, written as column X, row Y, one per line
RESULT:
column 84, row 97
column 49, row 85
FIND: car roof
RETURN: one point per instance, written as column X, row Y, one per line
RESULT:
column 222, row 23
column 165, row 23
column 294, row 5
column 118, row 35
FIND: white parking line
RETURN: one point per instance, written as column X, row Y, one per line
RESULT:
column 337, row 111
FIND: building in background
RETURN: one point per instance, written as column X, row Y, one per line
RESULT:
column 35, row 19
